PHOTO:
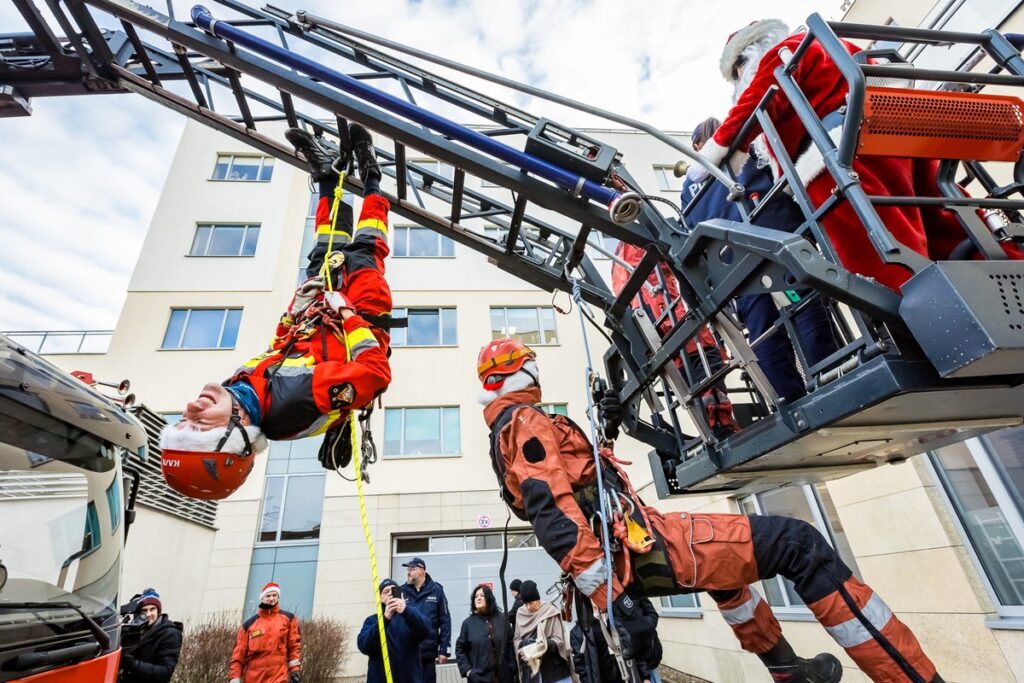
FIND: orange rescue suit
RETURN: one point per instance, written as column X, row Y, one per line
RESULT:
column 267, row 648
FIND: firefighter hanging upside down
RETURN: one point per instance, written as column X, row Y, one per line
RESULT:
column 545, row 466
column 329, row 354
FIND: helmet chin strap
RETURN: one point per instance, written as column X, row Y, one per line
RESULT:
column 233, row 423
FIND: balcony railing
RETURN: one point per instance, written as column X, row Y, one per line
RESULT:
column 71, row 341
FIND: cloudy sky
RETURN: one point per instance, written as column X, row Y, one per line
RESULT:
column 80, row 177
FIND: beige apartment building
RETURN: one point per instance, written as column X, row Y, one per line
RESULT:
column 940, row 537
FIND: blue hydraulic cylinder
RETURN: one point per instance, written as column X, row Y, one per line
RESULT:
column 570, row 181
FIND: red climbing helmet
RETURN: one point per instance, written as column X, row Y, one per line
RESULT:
column 500, row 358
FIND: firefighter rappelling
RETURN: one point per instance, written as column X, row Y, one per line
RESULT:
column 788, row 324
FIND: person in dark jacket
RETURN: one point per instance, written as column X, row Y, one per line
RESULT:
column 758, row 312
column 516, row 603
column 593, row 661
column 540, row 641
column 155, row 656
column 483, row 649
column 405, row 628
column 428, row 597
column 649, row 652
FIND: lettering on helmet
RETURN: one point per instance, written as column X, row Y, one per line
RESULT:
column 172, row 463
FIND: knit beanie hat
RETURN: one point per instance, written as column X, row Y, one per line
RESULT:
column 151, row 598
column 516, row 585
column 528, row 592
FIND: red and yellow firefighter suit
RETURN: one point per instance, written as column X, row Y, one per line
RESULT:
column 662, row 289
column 267, row 648
column 825, row 89
column 304, row 382
column 545, row 466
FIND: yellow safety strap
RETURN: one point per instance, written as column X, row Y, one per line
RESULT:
column 353, row 425
column 325, row 270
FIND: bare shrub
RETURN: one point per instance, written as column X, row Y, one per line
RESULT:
column 206, row 649
column 324, row 649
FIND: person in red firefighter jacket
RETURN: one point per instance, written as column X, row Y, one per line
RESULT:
column 749, row 61
column 545, row 467
column 329, row 354
column 268, row 647
column 660, row 291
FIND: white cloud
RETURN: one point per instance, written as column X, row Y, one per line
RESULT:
column 81, row 177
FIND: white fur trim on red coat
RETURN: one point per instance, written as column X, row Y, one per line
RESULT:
column 811, row 163
column 745, row 36
column 714, row 152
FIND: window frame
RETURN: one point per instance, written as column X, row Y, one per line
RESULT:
column 668, row 171
column 440, row 327
column 184, row 328
column 789, row 611
column 403, row 455
column 408, row 228
column 673, row 612
column 246, row 227
column 241, row 155
column 980, row 450
column 540, row 327
column 278, row 541
column 397, row 538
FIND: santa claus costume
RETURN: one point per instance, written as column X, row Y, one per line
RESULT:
column 749, row 61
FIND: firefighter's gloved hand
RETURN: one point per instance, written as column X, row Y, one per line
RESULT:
column 337, row 301
column 294, row 677
column 634, row 629
column 611, row 413
column 305, row 294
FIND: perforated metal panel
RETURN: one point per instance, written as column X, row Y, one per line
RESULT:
column 913, row 123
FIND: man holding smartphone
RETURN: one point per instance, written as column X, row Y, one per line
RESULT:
column 405, row 628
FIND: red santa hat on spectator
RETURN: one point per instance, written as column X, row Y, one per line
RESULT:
column 773, row 30
column 270, row 588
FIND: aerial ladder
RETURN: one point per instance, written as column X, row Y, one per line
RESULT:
column 939, row 363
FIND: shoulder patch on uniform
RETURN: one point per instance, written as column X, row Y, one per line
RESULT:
column 533, row 450
column 341, row 395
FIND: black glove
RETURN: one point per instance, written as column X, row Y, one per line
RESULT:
column 336, row 449
column 127, row 663
column 634, row 629
column 610, row 411
column 294, row 677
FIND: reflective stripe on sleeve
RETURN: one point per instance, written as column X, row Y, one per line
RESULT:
column 592, row 578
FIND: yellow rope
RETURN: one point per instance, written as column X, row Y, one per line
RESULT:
column 353, row 424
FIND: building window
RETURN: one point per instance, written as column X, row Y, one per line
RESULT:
column 458, row 543
column 534, row 326
column 812, row 504
column 243, row 167
column 114, row 504
column 293, row 567
column 292, row 508
column 667, row 180
column 984, row 479
column 412, row 241
column 202, row 328
column 555, row 408
column 225, row 240
column 434, row 166
column 421, row 431
column 427, row 327
column 687, row 605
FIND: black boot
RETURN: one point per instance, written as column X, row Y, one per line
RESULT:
column 786, row 667
column 366, row 158
column 325, row 158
